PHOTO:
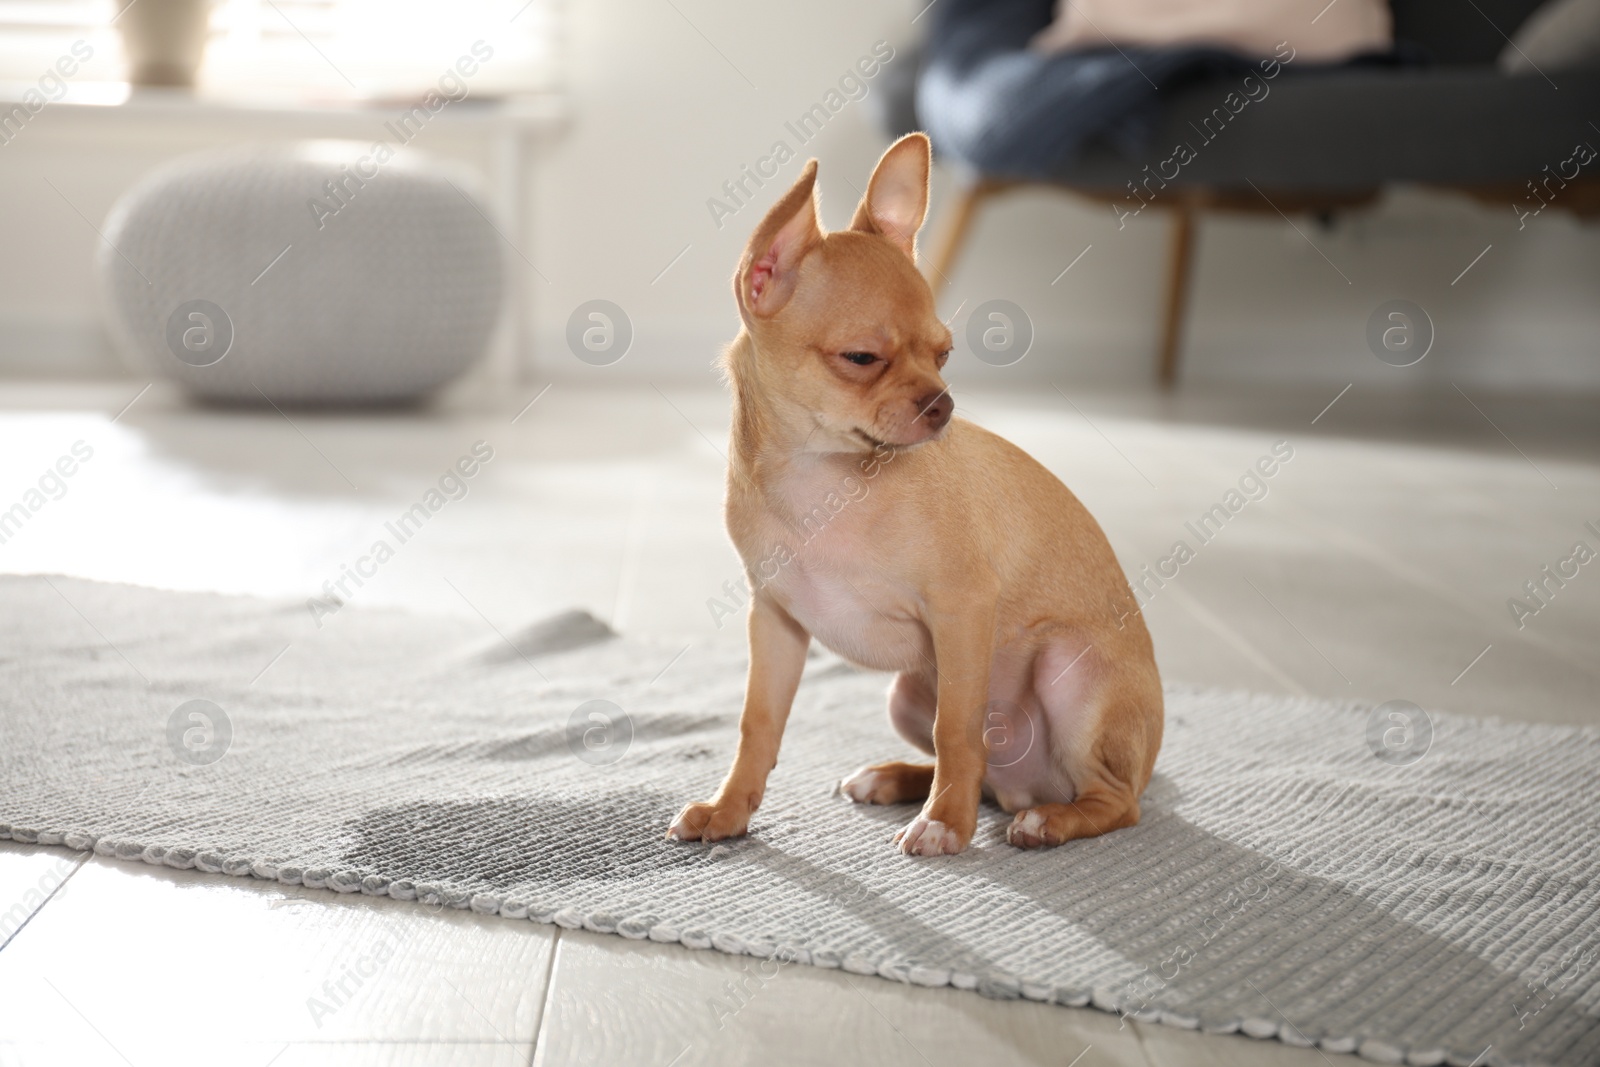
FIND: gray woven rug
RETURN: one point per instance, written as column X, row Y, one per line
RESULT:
column 1284, row 882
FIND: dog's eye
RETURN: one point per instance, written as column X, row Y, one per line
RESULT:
column 860, row 359
column 944, row 357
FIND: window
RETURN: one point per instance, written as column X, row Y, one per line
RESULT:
column 312, row 49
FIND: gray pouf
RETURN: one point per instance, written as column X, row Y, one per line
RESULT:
column 310, row 273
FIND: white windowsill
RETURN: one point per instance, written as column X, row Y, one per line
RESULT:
column 120, row 99
column 108, row 115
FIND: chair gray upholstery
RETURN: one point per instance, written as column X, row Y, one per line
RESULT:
column 1109, row 123
column 1452, row 118
column 1361, row 127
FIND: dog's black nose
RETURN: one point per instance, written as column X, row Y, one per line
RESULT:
column 935, row 409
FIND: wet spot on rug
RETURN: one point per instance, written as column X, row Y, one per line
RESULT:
column 503, row 842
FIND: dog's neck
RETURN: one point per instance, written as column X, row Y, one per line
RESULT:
column 766, row 431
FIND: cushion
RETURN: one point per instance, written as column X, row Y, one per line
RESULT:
column 318, row 272
column 1316, row 30
column 1561, row 35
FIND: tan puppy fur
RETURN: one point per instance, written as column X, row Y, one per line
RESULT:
column 926, row 545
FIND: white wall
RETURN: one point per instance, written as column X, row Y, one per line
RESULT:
column 664, row 111
column 664, row 116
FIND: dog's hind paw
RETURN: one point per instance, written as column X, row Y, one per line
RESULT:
column 1031, row 829
column 888, row 783
column 867, row 786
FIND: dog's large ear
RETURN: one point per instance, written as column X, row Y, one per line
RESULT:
column 771, row 261
column 897, row 197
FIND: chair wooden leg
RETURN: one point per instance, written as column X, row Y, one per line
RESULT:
column 1179, row 256
column 954, row 223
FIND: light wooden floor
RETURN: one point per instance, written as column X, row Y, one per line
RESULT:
column 1378, row 566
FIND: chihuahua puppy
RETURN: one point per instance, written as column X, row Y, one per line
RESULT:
column 907, row 540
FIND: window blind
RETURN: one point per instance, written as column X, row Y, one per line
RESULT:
column 311, row 48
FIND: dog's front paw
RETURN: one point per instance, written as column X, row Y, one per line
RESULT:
column 710, row 822
column 930, row 837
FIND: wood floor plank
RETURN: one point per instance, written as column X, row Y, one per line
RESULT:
column 419, row 1054
column 29, row 876
column 134, row 956
column 277, row 1054
column 624, row 1003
